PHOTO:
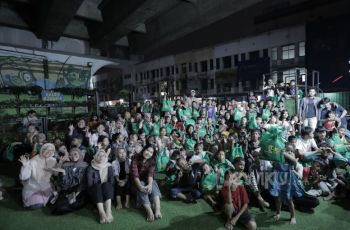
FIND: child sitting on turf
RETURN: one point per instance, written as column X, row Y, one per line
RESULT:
column 38, row 141
column 119, row 141
column 332, row 121
column 221, row 166
column 249, row 181
column 200, row 155
column 171, row 168
column 236, row 203
column 133, row 145
column 121, row 168
column 185, row 186
column 208, row 184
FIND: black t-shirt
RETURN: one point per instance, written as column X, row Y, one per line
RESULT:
column 122, row 174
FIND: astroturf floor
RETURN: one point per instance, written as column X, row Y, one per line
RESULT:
column 333, row 215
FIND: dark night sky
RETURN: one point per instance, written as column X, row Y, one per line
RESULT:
column 328, row 50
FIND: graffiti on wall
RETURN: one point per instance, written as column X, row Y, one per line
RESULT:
column 26, row 72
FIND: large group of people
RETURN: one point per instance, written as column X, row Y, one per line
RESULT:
column 205, row 148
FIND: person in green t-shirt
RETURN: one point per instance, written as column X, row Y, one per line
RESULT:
column 156, row 125
column 209, row 184
column 190, row 139
column 221, row 166
column 167, row 125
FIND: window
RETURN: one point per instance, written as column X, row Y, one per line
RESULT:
column 190, row 67
column 211, row 83
column 204, row 66
column 288, row 52
column 136, row 78
column 274, row 53
column 183, row 68
column 172, row 69
column 243, row 57
column 157, row 73
column 288, row 74
column 302, row 73
column 204, row 84
column 167, row 70
column 177, row 70
column 217, row 63
column 211, row 64
column 236, row 60
column 301, row 49
column 227, row 87
column 177, row 85
column 254, row 55
column 196, row 67
column 265, row 53
column 161, row 72
column 227, row 62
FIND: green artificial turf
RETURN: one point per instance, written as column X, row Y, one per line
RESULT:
column 176, row 215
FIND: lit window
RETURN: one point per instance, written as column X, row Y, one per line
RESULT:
column 288, row 52
column 301, row 49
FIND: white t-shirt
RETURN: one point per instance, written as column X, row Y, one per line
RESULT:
column 305, row 145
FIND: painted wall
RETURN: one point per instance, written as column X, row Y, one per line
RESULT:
column 25, row 72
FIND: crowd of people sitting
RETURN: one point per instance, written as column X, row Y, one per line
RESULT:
column 205, row 150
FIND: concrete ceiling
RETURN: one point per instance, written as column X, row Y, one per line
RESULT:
column 138, row 26
column 108, row 23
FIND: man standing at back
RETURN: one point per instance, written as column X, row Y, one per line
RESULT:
column 308, row 110
column 191, row 99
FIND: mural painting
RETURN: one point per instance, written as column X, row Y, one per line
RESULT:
column 26, row 72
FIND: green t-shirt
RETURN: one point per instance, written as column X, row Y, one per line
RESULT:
column 189, row 144
column 222, row 168
column 208, row 182
column 147, row 128
column 168, row 128
column 155, row 129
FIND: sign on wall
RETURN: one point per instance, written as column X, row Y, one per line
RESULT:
column 48, row 95
column 26, row 72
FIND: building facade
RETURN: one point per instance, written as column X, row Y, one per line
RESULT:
column 230, row 68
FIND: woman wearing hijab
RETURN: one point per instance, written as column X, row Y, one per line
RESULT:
column 71, row 181
column 35, row 176
column 100, row 185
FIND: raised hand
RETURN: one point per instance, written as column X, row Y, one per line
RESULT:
column 24, row 159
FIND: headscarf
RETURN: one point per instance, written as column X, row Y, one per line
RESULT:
column 41, row 163
column 102, row 167
column 78, row 164
column 45, row 147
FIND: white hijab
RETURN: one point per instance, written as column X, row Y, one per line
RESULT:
column 43, row 163
column 102, row 166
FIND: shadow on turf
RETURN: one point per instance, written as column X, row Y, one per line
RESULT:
column 197, row 222
column 13, row 199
